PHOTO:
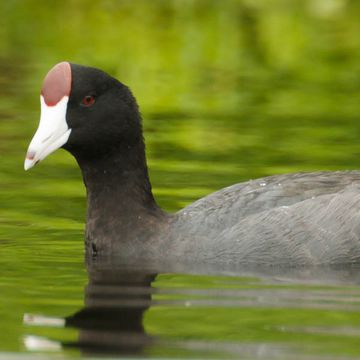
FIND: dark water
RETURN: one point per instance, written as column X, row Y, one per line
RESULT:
column 229, row 90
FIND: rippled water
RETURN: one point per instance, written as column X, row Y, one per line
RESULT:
column 193, row 312
column 229, row 91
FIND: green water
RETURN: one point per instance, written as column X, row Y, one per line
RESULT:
column 229, row 90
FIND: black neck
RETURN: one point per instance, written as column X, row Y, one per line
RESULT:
column 120, row 203
column 120, row 173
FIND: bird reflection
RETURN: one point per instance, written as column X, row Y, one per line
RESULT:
column 112, row 319
column 118, row 295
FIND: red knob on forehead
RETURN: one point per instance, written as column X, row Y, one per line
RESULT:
column 57, row 83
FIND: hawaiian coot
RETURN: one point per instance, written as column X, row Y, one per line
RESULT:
column 295, row 219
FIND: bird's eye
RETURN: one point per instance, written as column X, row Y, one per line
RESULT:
column 88, row 100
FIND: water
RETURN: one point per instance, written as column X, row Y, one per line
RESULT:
column 229, row 91
column 197, row 312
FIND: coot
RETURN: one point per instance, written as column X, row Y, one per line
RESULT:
column 295, row 219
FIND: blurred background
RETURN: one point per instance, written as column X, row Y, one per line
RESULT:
column 229, row 90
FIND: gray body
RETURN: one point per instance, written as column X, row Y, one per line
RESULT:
column 285, row 220
column 296, row 219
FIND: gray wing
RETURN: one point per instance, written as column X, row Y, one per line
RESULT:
column 321, row 230
column 297, row 219
column 227, row 207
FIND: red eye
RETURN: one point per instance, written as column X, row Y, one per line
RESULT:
column 88, row 100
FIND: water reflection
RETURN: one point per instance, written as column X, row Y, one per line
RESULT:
column 119, row 296
column 112, row 319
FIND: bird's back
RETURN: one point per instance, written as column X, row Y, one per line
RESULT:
column 304, row 218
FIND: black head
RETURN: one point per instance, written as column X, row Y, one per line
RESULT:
column 101, row 112
column 85, row 111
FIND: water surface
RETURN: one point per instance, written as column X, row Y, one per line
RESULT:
column 229, row 91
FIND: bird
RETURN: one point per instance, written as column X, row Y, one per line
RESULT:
column 299, row 219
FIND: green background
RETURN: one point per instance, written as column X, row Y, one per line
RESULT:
column 229, row 90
